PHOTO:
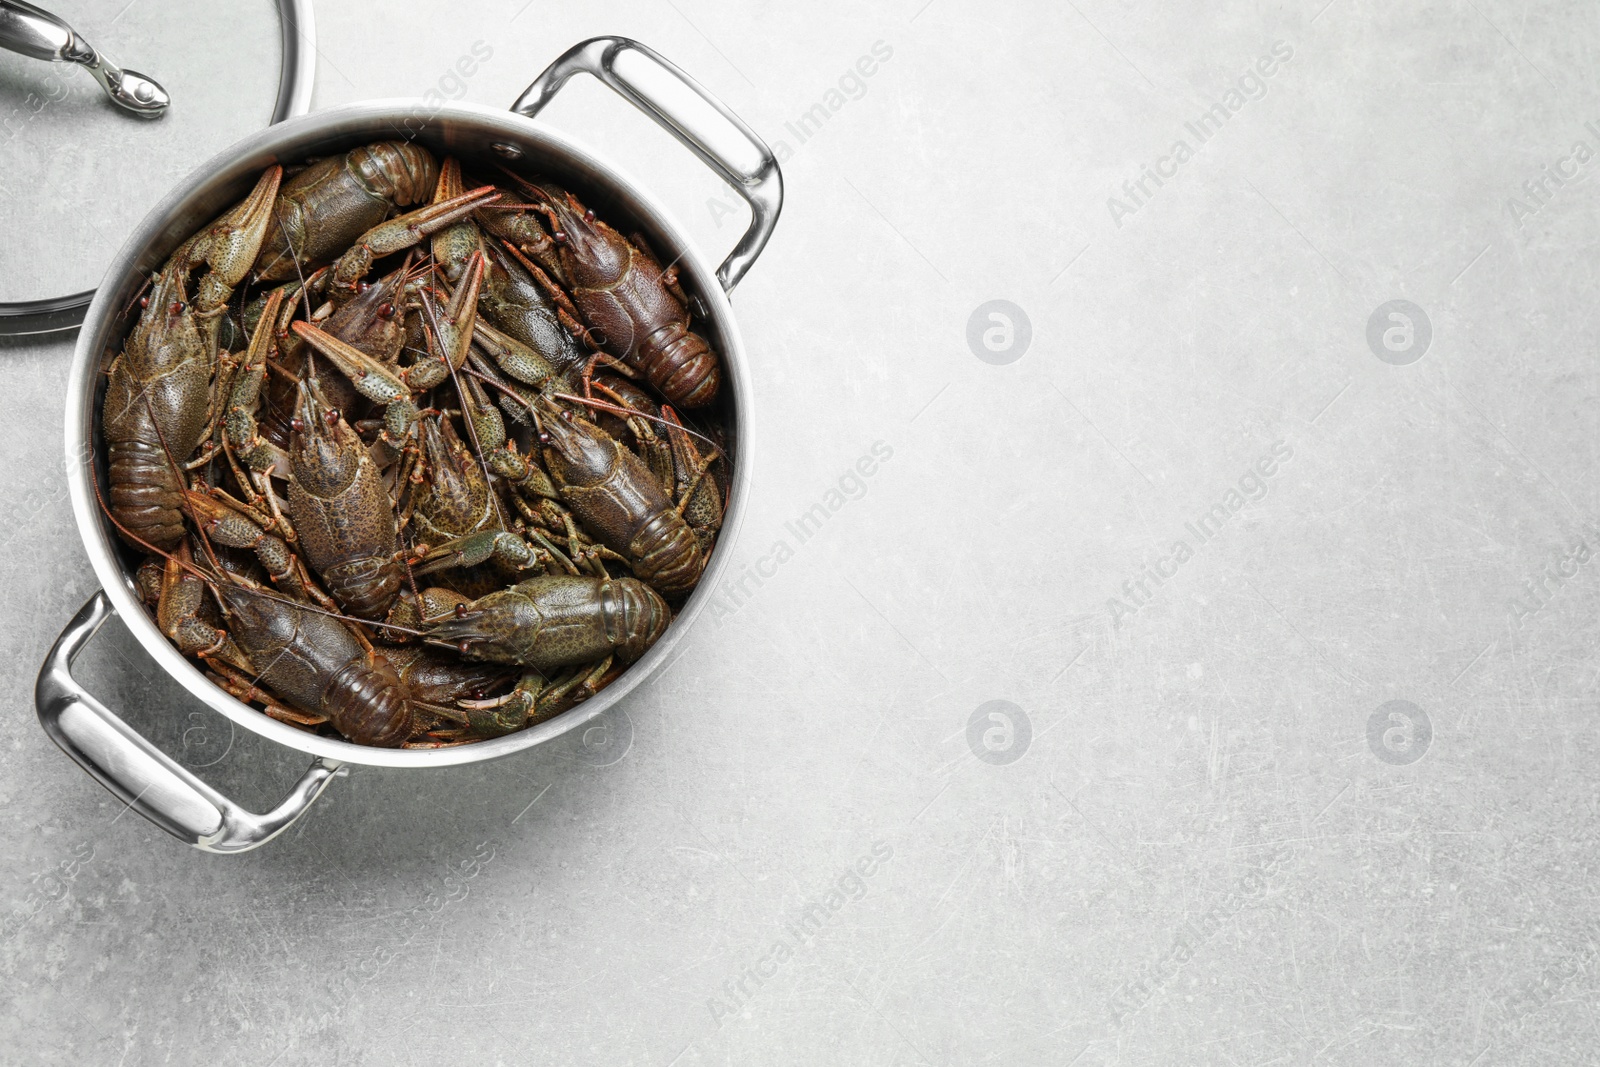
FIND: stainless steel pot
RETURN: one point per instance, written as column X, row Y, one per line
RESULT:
column 124, row 762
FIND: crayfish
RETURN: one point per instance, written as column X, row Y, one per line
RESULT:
column 402, row 451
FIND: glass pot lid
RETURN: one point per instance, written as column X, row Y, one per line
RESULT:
column 77, row 173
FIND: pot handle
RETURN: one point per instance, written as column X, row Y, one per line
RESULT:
column 141, row 775
column 703, row 123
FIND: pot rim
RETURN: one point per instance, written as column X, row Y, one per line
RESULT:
column 381, row 119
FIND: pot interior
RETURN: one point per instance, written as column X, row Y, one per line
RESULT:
column 472, row 135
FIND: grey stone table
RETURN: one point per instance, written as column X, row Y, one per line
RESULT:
column 1204, row 673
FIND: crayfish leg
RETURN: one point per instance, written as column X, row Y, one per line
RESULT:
column 246, row 691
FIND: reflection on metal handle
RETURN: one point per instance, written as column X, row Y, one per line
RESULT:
column 33, row 31
column 141, row 775
column 718, row 136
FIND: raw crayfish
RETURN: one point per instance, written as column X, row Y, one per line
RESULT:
column 403, row 456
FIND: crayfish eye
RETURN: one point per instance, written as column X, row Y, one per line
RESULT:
column 544, row 438
column 463, row 646
column 386, row 311
column 332, row 416
column 588, row 216
column 362, row 287
column 461, row 612
column 176, row 308
column 144, row 301
column 561, row 237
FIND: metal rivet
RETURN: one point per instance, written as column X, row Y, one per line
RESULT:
column 510, row 151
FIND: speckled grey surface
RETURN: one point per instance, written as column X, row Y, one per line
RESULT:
column 1198, row 828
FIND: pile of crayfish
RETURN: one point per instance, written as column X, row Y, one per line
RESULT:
column 413, row 460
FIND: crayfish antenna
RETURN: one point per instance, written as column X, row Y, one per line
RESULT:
column 616, row 409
